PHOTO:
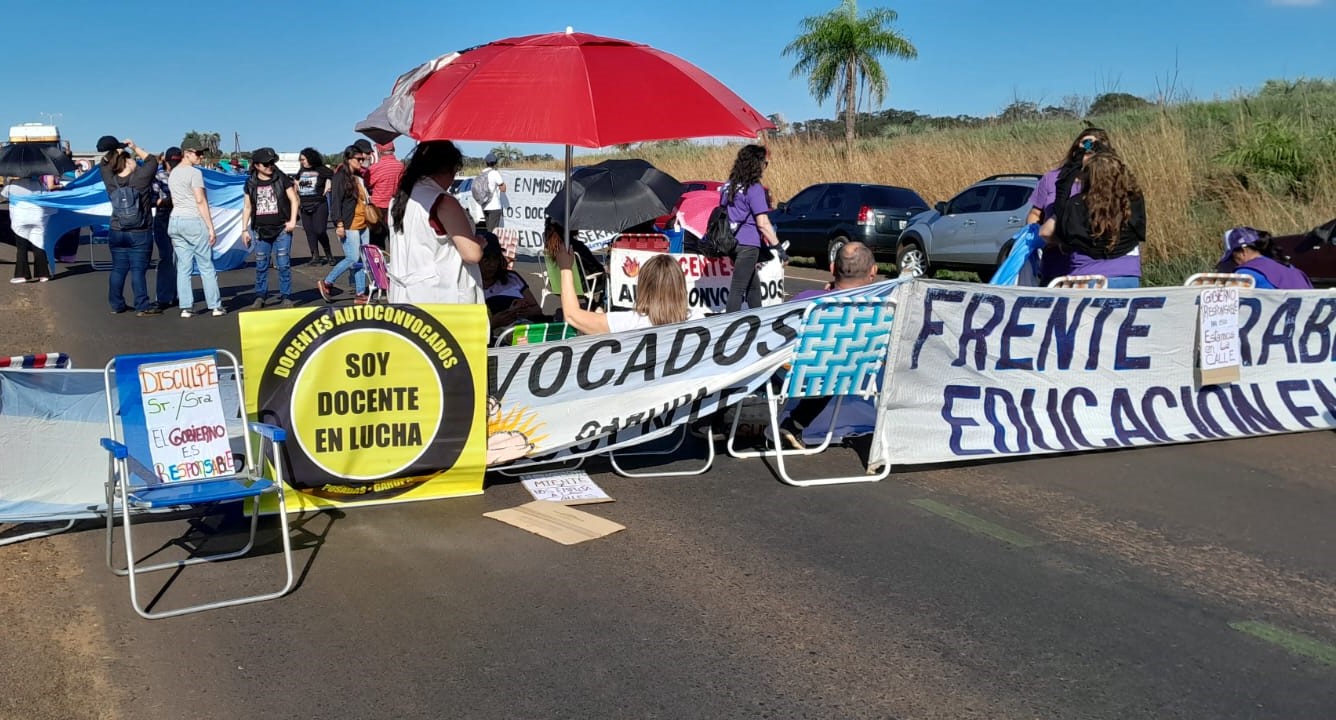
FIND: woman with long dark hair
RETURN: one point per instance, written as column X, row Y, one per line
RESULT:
column 1101, row 228
column 747, row 207
column 131, row 235
column 347, row 204
column 313, row 184
column 1043, row 200
column 433, row 252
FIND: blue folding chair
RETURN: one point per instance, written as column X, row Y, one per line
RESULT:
column 137, row 480
column 840, row 350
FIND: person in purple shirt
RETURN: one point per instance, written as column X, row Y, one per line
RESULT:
column 1101, row 228
column 1251, row 252
column 747, row 207
column 1122, row 271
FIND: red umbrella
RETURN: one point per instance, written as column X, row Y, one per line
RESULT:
column 562, row 88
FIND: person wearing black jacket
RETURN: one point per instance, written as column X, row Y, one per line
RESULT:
column 1103, row 226
column 347, row 205
column 130, row 241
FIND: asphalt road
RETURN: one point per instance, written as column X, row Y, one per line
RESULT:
column 1179, row 582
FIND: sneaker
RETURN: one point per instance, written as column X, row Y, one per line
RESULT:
column 259, row 303
column 287, row 303
column 115, row 311
column 151, row 311
column 326, row 290
column 186, row 313
column 218, row 312
column 17, row 281
column 792, row 433
column 43, row 279
column 361, row 299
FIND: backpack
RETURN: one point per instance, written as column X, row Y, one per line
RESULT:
column 126, row 209
column 482, row 188
column 719, row 239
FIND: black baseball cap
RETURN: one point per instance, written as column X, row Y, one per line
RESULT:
column 363, row 145
column 109, row 142
column 265, row 155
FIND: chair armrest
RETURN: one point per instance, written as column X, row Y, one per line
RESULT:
column 117, row 450
column 272, row 432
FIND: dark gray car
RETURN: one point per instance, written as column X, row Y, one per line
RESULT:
column 822, row 217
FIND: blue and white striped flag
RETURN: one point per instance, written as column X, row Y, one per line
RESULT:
column 84, row 203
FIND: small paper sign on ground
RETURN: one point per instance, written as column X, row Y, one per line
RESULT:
column 573, row 487
column 563, row 524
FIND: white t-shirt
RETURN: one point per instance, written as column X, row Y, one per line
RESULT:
column 182, row 183
column 492, row 177
column 624, row 320
column 425, row 267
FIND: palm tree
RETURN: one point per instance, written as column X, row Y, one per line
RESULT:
column 841, row 48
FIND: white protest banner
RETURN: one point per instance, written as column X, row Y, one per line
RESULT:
column 707, row 279
column 524, row 205
column 1218, row 333
column 572, row 487
column 982, row 371
column 581, row 396
column 183, row 416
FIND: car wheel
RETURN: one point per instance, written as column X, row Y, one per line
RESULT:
column 912, row 261
column 833, row 247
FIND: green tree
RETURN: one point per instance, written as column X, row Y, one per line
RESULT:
column 1117, row 102
column 508, row 154
column 841, row 51
column 209, row 140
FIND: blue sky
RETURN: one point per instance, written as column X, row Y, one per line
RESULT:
column 288, row 74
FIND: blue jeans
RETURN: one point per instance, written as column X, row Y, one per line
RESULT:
column 281, row 248
column 130, row 251
column 1122, row 282
column 190, row 241
column 166, row 274
column 352, row 255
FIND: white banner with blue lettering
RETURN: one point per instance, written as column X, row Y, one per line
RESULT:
column 84, row 203
column 983, row 371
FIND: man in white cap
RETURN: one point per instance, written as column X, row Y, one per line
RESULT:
column 487, row 189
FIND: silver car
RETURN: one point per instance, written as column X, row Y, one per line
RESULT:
column 971, row 231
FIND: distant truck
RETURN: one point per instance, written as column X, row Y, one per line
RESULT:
column 34, row 132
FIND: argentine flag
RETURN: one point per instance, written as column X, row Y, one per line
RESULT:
column 84, row 203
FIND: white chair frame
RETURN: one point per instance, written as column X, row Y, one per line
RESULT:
column 1079, row 282
column 118, row 490
column 1220, row 280
column 775, row 399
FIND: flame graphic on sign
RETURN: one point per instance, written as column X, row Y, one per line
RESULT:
column 631, row 267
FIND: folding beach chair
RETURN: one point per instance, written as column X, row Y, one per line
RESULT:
column 37, row 361
column 1240, row 280
column 840, row 350
column 654, row 242
column 378, row 276
column 166, row 413
column 1079, row 282
column 584, row 284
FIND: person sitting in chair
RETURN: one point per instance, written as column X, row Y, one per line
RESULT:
column 854, row 267
column 507, row 294
column 1251, row 252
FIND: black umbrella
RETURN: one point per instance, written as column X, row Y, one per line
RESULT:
column 615, row 195
column 26, row 159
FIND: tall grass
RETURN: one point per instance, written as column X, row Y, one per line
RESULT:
column 1268, row 161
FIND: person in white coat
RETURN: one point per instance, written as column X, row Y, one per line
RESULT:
column 433, row 252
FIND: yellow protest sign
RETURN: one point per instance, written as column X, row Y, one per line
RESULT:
column 382, row 403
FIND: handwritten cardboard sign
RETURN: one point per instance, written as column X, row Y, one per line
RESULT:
column 567, row 487
column 1218, row 336
column 183, row 414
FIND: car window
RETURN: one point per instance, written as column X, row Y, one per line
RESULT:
column 972, row 200
column 892, row 197
column 1009, row 197
column 833, row 200
column 805, row 201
